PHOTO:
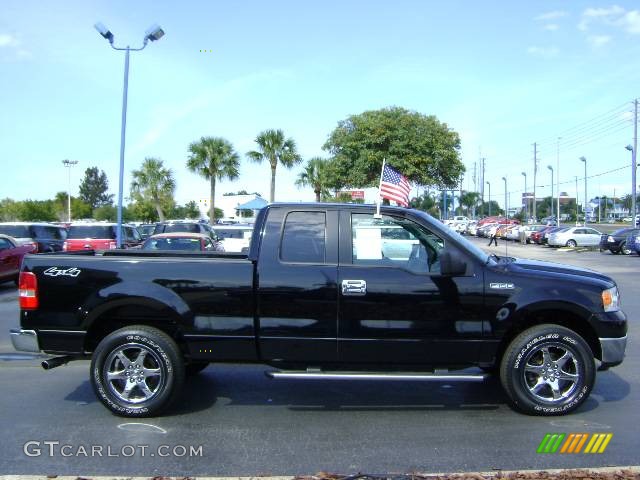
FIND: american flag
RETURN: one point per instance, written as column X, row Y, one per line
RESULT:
column 394, row 186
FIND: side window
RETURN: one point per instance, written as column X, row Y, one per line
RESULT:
column 391, row 241
column 304, row 237
column 5, row 244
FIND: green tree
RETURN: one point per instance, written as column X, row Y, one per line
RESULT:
column 9, row 210
column 94, row 187
column 469, row 200
column 276, row 149
column 314, row 176
column 37, row 210
column 107, row 213
column 155, row 184
column 188, row 210
column 425, row 150
column 427, row 203
column 213, row 158
column 79, row 209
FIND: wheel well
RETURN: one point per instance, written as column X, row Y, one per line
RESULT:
column 557, row 317
column 124, row 315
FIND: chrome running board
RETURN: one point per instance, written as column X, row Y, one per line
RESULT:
column 420, row 377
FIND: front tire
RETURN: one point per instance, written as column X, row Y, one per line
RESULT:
column 137, row 371
column 624, row 249
column 572, row 243
column 548, row 370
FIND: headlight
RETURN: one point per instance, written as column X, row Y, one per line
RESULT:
column 611, row 300
column 610, row 239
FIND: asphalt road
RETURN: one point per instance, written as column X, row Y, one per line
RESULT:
column 249, row 425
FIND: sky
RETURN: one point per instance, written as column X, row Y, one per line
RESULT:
column 502, row 74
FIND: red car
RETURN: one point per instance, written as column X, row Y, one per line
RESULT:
column 11, row 254
column 99, row 236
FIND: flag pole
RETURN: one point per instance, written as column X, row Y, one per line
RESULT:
column 377, row 215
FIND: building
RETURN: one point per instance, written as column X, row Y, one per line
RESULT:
column 229, row 205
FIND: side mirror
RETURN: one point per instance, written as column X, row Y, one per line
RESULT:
column 451, row 265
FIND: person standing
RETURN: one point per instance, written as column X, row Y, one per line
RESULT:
column 494, row 236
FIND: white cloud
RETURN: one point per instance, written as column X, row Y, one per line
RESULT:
column 613, row 16
column 7, row 40
column 551, row 27
column 597, row 41
column 544, row 52
column 551, row 15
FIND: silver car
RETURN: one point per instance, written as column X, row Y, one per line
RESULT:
column 575, row 236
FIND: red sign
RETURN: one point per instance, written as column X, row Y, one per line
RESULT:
column 355, row 194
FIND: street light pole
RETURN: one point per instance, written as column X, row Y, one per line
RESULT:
column 551, row 168
column 558, row 181
column 69, row 164
column 583, row 159
column 632, row 149
column 153, row 33
column 489, row 185
column 506, row 207
column 526, row 202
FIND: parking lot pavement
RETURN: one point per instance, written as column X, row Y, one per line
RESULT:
column 249, row 425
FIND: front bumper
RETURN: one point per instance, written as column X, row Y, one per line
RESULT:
column 25, row 340
column 613, row 350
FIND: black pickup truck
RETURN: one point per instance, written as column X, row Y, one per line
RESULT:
column 327, row 291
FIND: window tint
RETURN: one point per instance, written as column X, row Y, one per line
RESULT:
column 91, row 231
column 4, row 243
column 390, row 241
column 304, row 237
column 173, row 244
column 182, row 227
column 43, row 231
column 16, row 231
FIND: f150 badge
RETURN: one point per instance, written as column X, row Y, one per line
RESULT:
column 501, row 286
column 62, row 272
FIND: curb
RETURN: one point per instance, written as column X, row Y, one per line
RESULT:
column 619, row 473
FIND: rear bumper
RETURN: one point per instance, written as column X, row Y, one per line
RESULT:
column 25, row 340
column 613, row 350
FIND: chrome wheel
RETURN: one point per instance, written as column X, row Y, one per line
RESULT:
column 551, row 373
column 133, row 373
column 624, row 249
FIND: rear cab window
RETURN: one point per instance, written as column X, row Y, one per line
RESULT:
column 304, row 238
column 91, row 231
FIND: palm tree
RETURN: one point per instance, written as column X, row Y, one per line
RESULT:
column 153, row 183
column 469, row 200
column 213, row 158
column 275, row 148
column 314, row 175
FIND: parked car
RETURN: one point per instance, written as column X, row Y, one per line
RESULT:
column 182, row 226
column 547, row 233
column 46, row 237
column 234, row 238
column 11, row 254
column 575, row 236
column 616, row 242
column 145, row 230
column 633, row 242
column 537, row 237
column 178, row 241
column 99, row 236
column 318, row 298
column 531, row 229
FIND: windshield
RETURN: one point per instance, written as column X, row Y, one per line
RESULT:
column 91, row 231
column 232, row 232
column 174, row 244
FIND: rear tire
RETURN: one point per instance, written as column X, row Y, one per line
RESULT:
column 547, row 370
column 137, row 371
column 571, row 243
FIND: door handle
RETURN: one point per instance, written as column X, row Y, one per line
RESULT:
column 354, row 287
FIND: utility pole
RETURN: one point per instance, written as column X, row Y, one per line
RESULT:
column 551, row 168
column 583, row 159
column 535, row 176
column 558, row 180
column 506, row 206
column 577, row 200
column 489, row 185
column 526, row 197
column 475, row 186
column 482, row 182
column 633, row 159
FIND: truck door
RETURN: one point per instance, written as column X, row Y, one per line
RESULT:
column 297, row 286
column 395, row 306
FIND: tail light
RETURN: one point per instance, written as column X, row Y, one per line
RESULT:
column 65, row 246
column 112, row 245
column 28, row 291
column 33, row 245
